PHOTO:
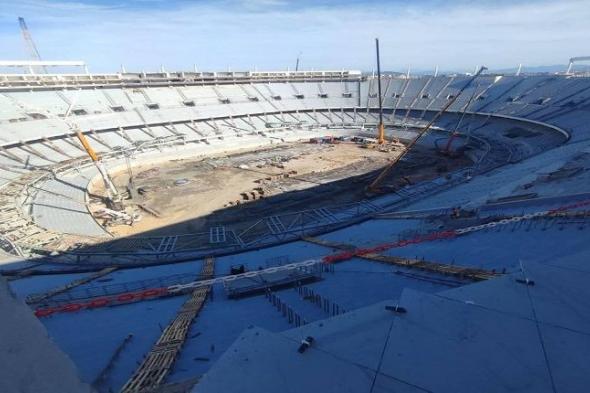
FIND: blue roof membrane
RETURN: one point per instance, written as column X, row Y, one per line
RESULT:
column 499, row 335
column 447, row 346
column 260, row 361
column 559, row 296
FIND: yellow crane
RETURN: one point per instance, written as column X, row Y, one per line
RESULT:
column 113, row 196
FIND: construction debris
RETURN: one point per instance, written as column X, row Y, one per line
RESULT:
column 113, row 217
column 181, row 182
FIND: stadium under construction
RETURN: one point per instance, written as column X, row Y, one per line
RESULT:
column 300, row 231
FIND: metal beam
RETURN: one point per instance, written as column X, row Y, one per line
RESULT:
column 40, row 63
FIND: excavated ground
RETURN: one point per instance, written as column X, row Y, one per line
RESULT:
column 191, row 195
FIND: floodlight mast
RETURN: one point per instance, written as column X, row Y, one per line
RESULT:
column 380, row 127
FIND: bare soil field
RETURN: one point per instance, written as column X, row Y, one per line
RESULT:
column 183, row 196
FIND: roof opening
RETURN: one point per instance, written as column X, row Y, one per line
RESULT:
column 36, row 116
column 79, row 112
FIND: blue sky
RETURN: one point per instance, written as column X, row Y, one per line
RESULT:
column 268, row 34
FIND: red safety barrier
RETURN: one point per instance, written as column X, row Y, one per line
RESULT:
column 44, row 312
column 346, row 255
column 71, row 307
column 339, row 257
column 153, row 292
column 126, row 297
column 570, row 206
column 102, row 302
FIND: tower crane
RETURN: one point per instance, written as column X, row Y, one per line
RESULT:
column 374, row 187
column 30, row 44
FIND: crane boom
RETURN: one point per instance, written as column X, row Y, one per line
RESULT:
column 455, row 132
column 112, row 192
column 108, row 182
column 297, row 63
column 374, row 186
column 30, row 44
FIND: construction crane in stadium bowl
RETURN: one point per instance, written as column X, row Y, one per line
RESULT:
column 113, row 196
column 375, row 186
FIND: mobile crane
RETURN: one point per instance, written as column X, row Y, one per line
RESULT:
column 374, row 187
column 113, row 196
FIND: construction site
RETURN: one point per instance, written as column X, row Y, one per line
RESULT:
column 188, row 195
column 300, row 231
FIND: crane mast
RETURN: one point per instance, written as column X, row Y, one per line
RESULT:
column 380, row 127
column 456, row 133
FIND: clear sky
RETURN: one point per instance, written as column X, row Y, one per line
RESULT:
column 269, row 34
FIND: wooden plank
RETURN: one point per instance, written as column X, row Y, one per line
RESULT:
column 155, row 367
